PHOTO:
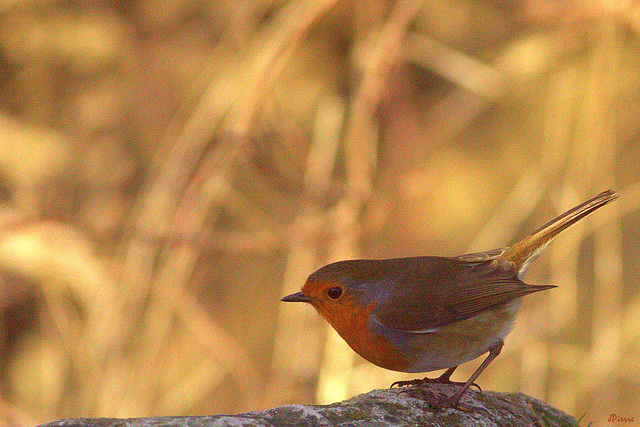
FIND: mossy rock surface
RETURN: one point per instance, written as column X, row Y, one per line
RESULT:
column 379, row 408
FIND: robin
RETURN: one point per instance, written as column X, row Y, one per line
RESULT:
column 421, row 314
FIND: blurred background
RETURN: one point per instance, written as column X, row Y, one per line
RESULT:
column 170, row 169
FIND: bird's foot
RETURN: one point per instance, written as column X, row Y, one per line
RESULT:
column 440, row 380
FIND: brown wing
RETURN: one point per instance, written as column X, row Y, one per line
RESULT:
column 436, row 291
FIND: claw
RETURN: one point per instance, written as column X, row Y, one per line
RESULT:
column 478, row 387
column 438, row 403
column 426, row 380
column 408, row 383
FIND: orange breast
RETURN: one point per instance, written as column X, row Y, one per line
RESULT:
column 351, row 323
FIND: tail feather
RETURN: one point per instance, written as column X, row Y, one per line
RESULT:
column 527, row 250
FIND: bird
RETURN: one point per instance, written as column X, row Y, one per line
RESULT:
column 427, row 313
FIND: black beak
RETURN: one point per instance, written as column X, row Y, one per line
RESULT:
column 297, row 297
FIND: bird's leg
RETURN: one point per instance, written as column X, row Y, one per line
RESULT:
column 452, row 400
column 445, row 378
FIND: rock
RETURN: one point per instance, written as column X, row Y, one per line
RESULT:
column 392, row 407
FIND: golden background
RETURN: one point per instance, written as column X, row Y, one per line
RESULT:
column 170, row 169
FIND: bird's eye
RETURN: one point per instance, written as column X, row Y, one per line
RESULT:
column 335, row 293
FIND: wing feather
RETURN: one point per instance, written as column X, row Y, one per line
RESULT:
column 436, row 291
